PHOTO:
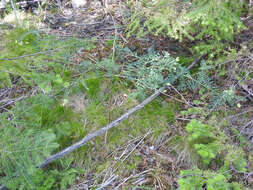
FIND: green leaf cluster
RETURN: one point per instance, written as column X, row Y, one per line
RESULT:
column 196, row 179
column 201, row 136
column 213, row 146
column 148, row 71
column 154, row 70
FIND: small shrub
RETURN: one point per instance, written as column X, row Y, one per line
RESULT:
column 209, row 23
column 197, row 179
column 204, row 141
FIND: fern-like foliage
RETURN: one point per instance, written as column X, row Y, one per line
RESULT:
column 148, row 72
column 224, row 97
column 154, row 70
column 196, row 179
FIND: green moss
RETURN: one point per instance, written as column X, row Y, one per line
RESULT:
column 93, row 85
column 155, row 116
column 42, row 112
column 100, row 88
column 96, row 114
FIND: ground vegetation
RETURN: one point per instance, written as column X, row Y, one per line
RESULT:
column 126, row 95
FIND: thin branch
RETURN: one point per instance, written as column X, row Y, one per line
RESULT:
column 29, row 55
column 111, row 125
column 197, row 61
column 185, row 101
column 102, row 130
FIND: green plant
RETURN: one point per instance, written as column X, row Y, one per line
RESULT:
column 203, row 140
column 235, row 159
column 214, row 147
column 153, row 70
column 43, row 112
column 39, row 59
column 36, row 127
column 21, row 152
column 197, row 179
column 47, row 179
column 225, row 97
column 148, row 71
column 209, row 23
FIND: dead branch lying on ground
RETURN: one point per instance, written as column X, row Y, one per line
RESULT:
column 111, row 125
column 102, row 130
column 106, row 128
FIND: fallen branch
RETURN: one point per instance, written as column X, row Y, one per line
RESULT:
column 196, row 61
column 102, row 130
column 111, row 125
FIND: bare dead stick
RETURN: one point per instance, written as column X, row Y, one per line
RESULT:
column 102, row 130
column 111, row 125
column 196, row 61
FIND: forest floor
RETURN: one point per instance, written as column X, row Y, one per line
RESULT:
column 151, row 147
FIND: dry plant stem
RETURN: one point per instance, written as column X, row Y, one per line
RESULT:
column 133, row 176
column 12, row 101
column 108, row 182
column 196, row 61
column 15, row 12
column 133, row 149
column 102, row 130
column 107, row 11
column 239, row 114
column 29, row 55
column 111, row 170
column 185, row 101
